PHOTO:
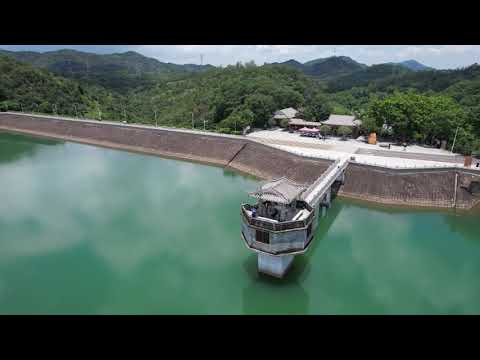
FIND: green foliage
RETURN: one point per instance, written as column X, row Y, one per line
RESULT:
column 116, row 72
column 326, row 129
column 420, row 118
column 325, row 68
column 23, row 87
column 344, row 131
column 369, row 125
column 284, row 123
column 238, row 120
column 217, row 94
column 319, row 108
column 371, row 75
column 262, row 106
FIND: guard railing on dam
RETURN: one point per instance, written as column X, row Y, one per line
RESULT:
column 277, row 226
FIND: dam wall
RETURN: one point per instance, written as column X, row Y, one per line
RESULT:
column 436, row 187
column 236, row 152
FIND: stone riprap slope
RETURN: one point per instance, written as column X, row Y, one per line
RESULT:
column 236, row 152
column 420, row 187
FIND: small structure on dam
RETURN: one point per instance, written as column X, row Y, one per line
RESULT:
column 283, row 221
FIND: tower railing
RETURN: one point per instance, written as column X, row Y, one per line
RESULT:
column 276, row 226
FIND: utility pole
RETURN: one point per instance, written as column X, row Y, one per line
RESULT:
column 76, row 112
column 99, row 114
column 454, row 139
column 155, row 112
column 55, row 109
column 193, row 125
column 204, row 122
column 201, row 59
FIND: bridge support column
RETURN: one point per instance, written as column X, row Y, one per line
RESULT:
column 324, row 211
column 327, row 199
column 274, row 265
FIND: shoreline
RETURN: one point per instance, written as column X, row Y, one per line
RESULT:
column 413, row 189
column 135, row 149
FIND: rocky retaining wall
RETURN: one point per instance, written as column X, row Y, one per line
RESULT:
column 416, row 187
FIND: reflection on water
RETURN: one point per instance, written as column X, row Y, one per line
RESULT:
column 14, row 147
column 267, row 295
column 93, row 230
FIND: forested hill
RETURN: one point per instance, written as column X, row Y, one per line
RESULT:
column 414, row 65
column 326, row 68
column 377, row 74
column 335, row 67
column 118, row 72
column 388, row 76
column 229, row 98
column 23, row 87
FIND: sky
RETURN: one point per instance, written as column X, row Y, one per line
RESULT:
column 437, row 56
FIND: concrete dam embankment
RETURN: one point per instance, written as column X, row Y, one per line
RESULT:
column 238, row 153
column 436, row 187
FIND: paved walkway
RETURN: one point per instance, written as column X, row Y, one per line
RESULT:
column 396, row 157
column 281, row 137
column 414, row 156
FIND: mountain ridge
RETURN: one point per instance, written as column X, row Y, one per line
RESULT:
column 117, row 71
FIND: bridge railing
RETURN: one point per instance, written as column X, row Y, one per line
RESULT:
column 321, row 179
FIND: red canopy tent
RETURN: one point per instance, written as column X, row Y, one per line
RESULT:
column 308, row 130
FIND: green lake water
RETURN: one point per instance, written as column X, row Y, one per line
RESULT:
column 88, row 230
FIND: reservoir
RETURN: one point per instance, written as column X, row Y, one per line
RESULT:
column 90, row 230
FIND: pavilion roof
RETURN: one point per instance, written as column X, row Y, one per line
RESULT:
column 282, row 191
column 342, row 120
column 287, row 113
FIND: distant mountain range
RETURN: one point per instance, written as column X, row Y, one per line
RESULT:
column 413, row 65
column 326, row 68
column 124, row 71
column 115, row 71
column 338, row 66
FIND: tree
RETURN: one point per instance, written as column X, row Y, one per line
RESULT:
column 325, row 130
column 262, row 107
column 284, row 123
column 319, row 109
column 237, row 120
column 344, row 131
column 416, row 117
column 370, row 125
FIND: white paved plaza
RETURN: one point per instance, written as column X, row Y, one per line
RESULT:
column 335, row 148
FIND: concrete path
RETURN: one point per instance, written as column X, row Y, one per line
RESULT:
column 414, row 156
